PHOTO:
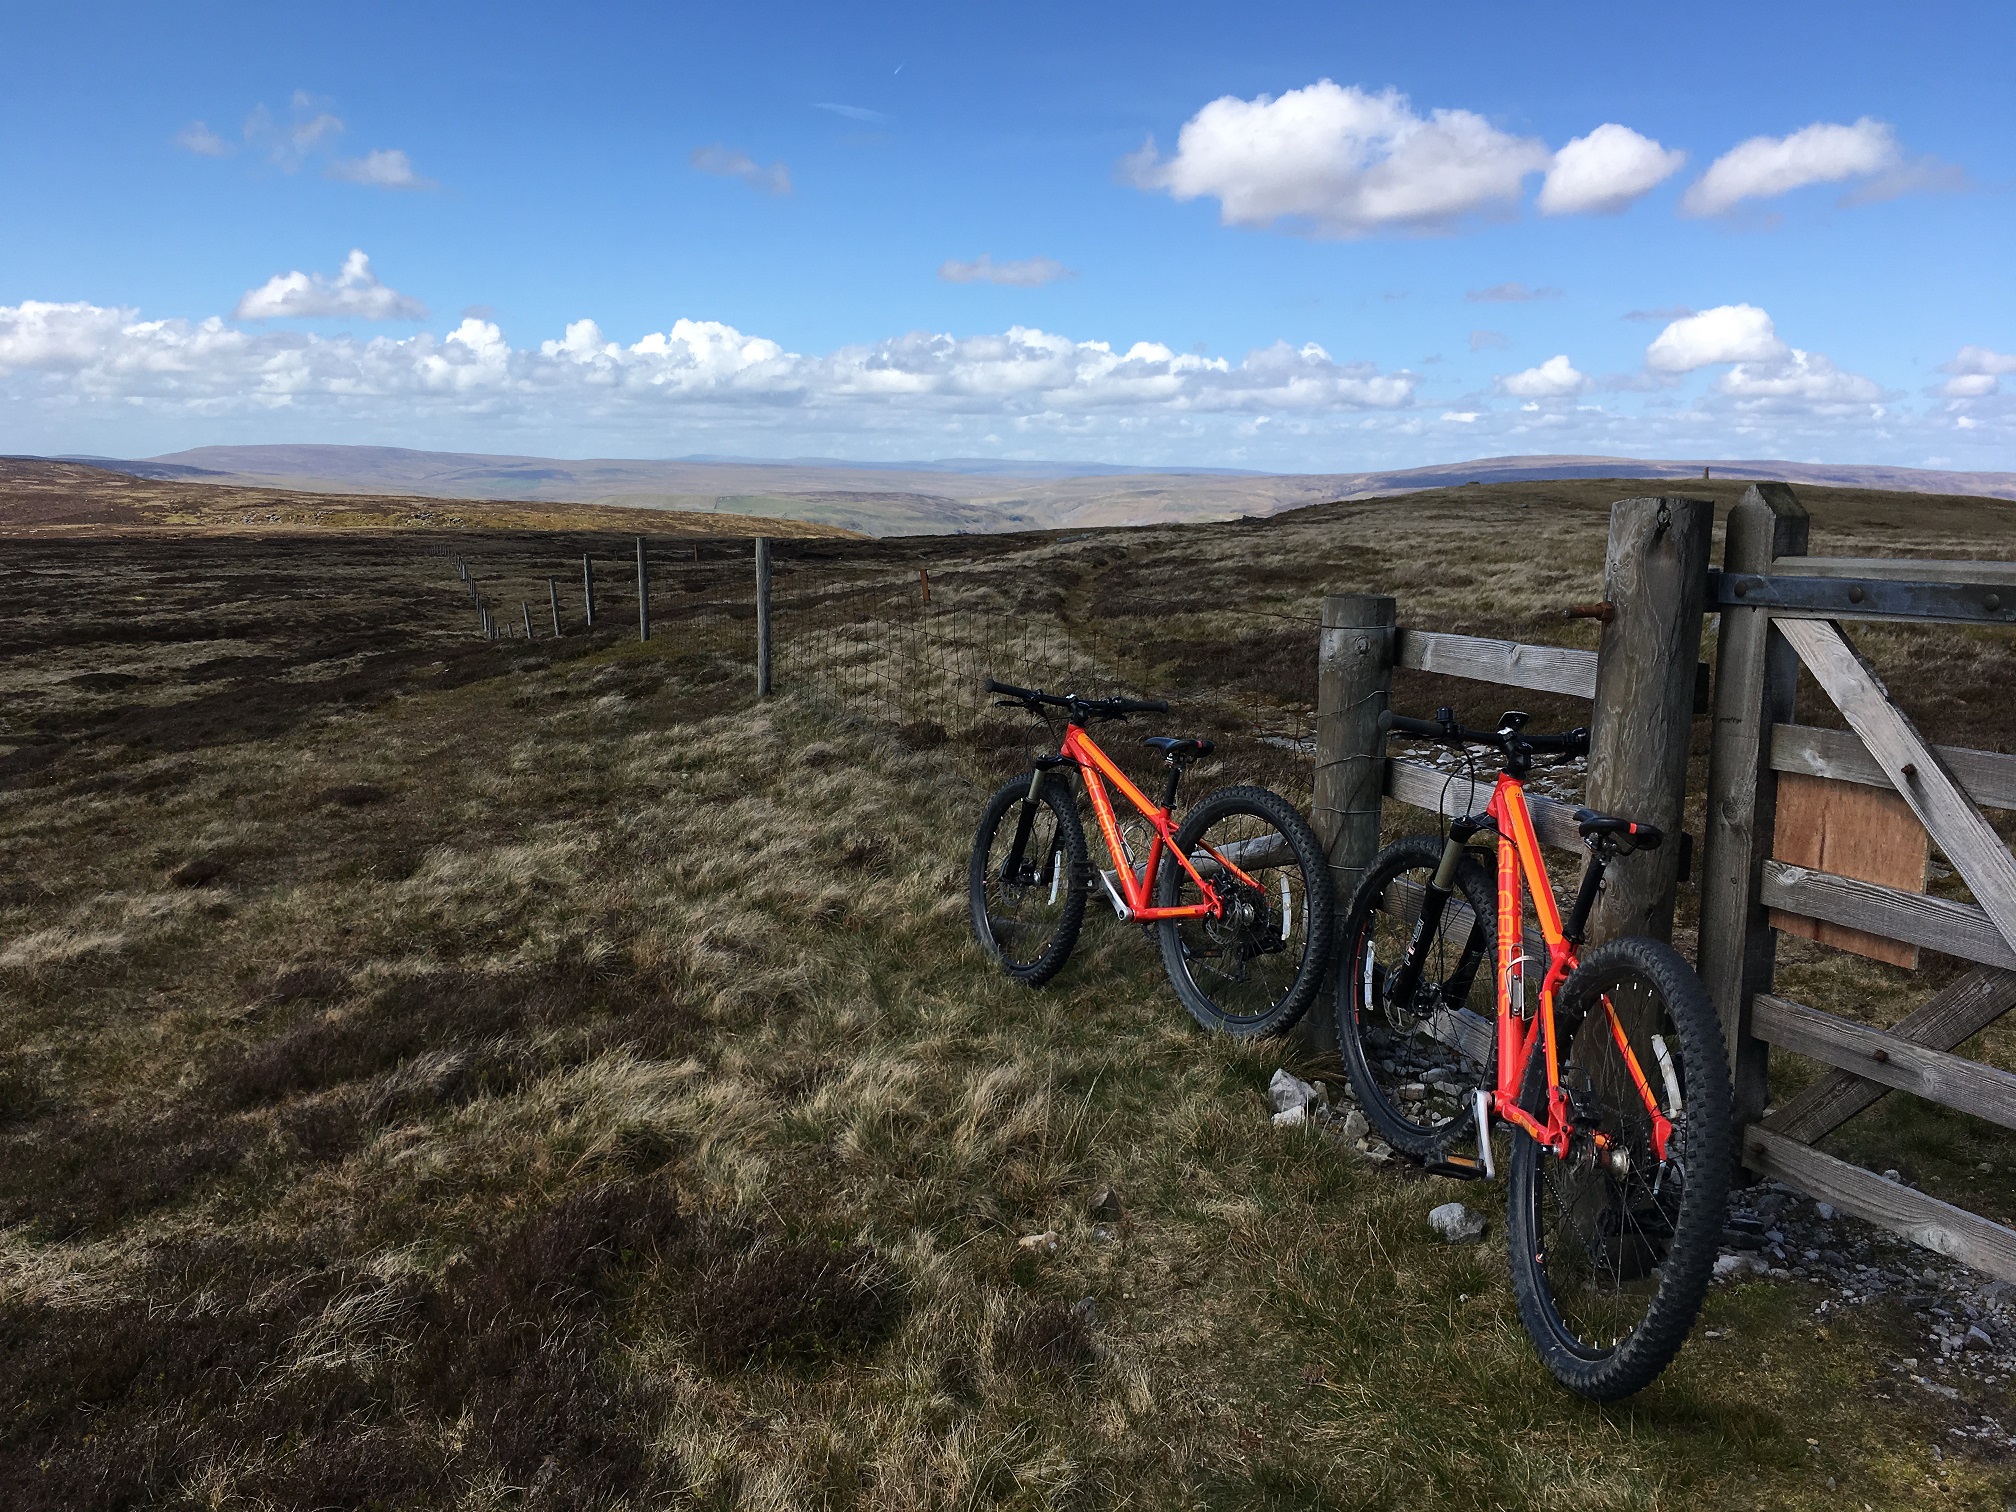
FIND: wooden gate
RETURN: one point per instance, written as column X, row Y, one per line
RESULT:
column 1782, row 610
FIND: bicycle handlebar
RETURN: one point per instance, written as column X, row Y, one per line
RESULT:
column 1507, row 738
column 1034, row 699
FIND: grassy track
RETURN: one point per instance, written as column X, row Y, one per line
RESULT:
column 450, row 1075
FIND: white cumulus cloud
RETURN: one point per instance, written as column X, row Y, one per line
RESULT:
column 197, row 137
column 388, row 168
column 1764, row 167
column 1765, row 373
column 1976, row 372
column 1555, row 378
column 1727, row 333
column 726, row 162
column 355, row 291
column 1025, row 273
column 1341, row 161
column 1603, row 172
column 694, row 370
column 1799, row 378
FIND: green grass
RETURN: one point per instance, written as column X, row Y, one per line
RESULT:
column 578, row 1087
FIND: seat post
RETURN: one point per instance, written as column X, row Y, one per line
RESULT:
column 1169, row 788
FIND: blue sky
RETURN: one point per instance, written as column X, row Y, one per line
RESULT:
column 928, row 231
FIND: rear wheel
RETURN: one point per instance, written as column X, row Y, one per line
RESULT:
column 1027, row 877
column 1254, row 971
column 1414, row 1056
column 1612, row 1249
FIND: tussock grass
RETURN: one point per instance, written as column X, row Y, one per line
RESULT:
column 611, row 1110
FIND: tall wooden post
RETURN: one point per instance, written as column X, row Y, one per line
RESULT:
column 643, row 594
column 553, row 593
column 762, row 616
column 588, row 589
column 1655, row 574
column 1756, row 683
column 1354, row 680
column 528, row 618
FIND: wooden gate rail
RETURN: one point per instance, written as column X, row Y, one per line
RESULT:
column 1780, row 611
column 1988, row 777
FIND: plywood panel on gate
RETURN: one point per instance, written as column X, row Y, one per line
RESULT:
column 1852, row 831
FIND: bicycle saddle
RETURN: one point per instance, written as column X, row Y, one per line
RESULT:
column 1176, row 748
column 1633, row 836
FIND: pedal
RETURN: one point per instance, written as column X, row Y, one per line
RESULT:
column 1457, row 1168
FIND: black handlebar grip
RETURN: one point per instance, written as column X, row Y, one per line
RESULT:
column 1426, row 728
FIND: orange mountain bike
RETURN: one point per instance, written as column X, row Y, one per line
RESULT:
column 1612, row 1077
column 1239, row 893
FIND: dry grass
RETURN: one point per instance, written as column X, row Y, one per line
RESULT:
column 574, row 1086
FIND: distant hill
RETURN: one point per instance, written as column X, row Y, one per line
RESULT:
column 949, row 495
column 41, row 497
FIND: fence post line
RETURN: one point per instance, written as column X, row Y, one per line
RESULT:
column 553, row 593
column 1354, row 681
column 1756, row 684
column 588, row 589
column 762, row 616
column 528, row 618
column 1655, row 573
column 643, row 594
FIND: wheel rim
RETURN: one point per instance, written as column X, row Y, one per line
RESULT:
column 1249, row 960
column 1026, row 910
column 1604, row 1218
column 1423, row 1081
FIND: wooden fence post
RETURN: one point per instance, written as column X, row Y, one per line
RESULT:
column 528, row 618
column 643, row 594
column 1354, row 679
column 1756, row 684
column 762, row 616
column 1655, row 574
column 553, row 593
column 588, row 589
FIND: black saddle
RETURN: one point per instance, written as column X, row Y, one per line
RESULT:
column 1175, row 748
column 1630, row 836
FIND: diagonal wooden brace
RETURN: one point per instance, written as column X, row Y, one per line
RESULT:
column 1913, row 767
column 1948, row 1018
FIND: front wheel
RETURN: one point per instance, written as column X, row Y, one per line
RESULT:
column 1027, row 877
column 1612, row 1249
column 1416, row 1049
column 1253, row 971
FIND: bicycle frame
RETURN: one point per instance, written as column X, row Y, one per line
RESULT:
column 1520, row 1036
column 1097, row 769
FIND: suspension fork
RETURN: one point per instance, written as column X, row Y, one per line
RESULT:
column 1011, row 867
column 1406, row 978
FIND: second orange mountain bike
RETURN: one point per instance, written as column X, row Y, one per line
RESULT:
column 1607, row 1067
column 1239, row 893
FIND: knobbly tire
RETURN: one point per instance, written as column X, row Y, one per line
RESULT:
column 1029, row 920
column 1610, row 1275
column 1256, row 971
column 1386, row 1046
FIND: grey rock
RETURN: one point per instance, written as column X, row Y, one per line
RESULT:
column 1456, row 1223
column 1978, row 1338
column 1356, row 1126
column 1287, row 1090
